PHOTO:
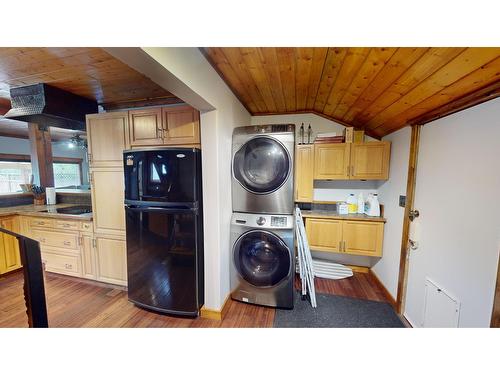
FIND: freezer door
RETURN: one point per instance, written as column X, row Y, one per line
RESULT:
column 162, row 262
column 162, row 176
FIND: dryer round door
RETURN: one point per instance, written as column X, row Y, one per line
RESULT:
column 261, row 165
column 261, row 258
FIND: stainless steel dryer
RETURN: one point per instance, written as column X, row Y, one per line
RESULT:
column 262, row 169
column 262, row 264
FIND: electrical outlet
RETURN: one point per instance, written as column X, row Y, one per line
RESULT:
column 402, row 200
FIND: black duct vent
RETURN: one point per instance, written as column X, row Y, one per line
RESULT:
column 49, row 106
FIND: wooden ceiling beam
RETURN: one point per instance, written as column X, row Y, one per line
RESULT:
column 441, row 79
column 142, row 103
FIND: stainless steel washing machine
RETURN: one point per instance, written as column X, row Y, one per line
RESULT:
column 262, row 169
column 263, row 256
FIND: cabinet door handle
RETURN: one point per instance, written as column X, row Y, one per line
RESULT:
column 66, row 225
column 344, row 245
column 348, row 167
column 165, row 133
column 352, row 170
column 42, row 239
column 67, row 243
column 159, row 132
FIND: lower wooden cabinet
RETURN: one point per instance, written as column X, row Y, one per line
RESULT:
column 111, row 259
column 345, row 236
column 89, row 266
column 60, row 262
column 324, row 234
column 10, row 258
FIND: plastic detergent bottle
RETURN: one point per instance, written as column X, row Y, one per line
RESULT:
column 353, row 204
column 361, row 203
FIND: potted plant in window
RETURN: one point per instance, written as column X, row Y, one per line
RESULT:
column 38, row 194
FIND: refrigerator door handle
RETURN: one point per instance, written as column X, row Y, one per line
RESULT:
column 171, row 209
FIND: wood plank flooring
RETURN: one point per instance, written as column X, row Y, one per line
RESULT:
column 77, row 303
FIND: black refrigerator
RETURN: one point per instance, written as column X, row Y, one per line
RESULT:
column 164, row 222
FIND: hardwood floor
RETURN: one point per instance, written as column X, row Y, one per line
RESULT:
column 76, row 303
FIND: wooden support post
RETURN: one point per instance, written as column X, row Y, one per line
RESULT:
column 495, row 315
column 410, row 195
column 41, row 155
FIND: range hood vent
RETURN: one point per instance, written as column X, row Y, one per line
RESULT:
column 49, row 106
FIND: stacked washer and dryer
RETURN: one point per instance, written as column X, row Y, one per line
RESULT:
column 262, row 224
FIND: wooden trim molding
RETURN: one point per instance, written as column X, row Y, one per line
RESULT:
column 477, row 97
column 215, row 314
column 382, row 287
column 495, row 315
column 410, row 196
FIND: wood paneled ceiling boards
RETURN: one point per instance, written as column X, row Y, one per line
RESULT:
column 377, row 89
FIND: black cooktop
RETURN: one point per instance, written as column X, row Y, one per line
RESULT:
column 71, row 210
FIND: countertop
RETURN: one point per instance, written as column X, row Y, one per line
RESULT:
column 73, row 191
column 32, row 210
column 332, row 214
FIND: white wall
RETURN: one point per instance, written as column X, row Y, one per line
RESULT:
column 387, row 268
column 11, row 145
column 191, row 68
column 457, row 194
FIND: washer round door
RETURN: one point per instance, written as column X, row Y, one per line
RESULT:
column 261, row 165
column 261, row 258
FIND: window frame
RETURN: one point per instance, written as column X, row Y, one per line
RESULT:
column 55, row 159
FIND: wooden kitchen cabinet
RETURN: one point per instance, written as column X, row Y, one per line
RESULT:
column 363, row 238
column 111, row 259
column 331, row 161
column 324, row 234
column 181, row 125
column 88, row 256
column 304, row 170
column 345, row 236
column 146, row 127
column 10, row 258
column 173, row 125
column 352, row 161
column 107, row 136
column 107, row 200
column 370, row 161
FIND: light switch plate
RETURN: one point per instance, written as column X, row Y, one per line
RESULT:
column 402, row 200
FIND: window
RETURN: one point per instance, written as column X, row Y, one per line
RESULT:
column 67, row 174
column 13, row 173
column 16, row 170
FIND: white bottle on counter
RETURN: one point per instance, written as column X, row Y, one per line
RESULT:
column 361, row 204
column 372, row 207
column 353, row 204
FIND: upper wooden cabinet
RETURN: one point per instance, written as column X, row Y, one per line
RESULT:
column 146, row 127
column 331, row 161
column 181, row 125
column 107, row 135
column 352, row 161
column 176, row 125
column 370, row 161
column 304, row 168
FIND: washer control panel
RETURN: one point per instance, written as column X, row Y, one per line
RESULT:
column 261, row 220
column 278, row 221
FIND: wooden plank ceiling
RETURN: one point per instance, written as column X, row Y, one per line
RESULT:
column 377, row 89
column 88, row 72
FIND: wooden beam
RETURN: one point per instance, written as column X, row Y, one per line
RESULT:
column 141, row 103
column 495, row 315
column 41, row 155
column 410, row 196
column 477, row 97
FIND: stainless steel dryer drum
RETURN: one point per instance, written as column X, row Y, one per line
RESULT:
column 262, row 259
column 262, row 169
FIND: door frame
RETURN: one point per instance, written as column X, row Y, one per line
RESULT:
column 410, row 197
